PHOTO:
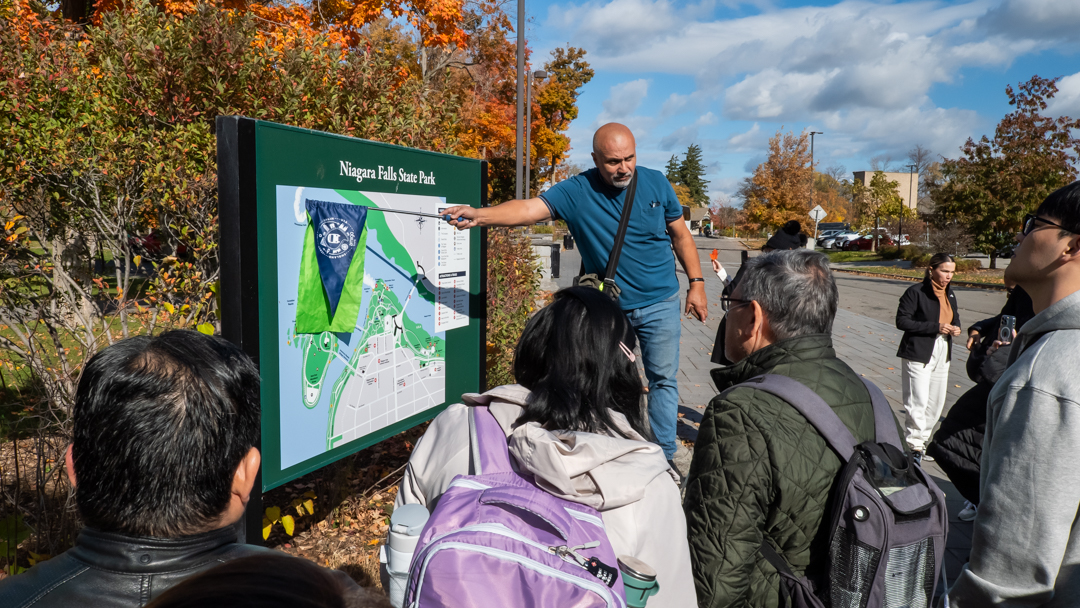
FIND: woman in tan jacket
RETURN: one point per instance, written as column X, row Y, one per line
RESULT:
column 576, row 425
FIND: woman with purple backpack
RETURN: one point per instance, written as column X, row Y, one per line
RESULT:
column 576, row 429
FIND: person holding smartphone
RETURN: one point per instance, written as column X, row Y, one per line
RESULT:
column 928, row 316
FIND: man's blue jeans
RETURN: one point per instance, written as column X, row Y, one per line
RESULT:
column 658, row 331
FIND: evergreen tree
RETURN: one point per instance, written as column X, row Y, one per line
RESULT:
column 692, row 175
column 672, row 169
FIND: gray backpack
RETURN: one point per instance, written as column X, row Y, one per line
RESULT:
column 887, row 520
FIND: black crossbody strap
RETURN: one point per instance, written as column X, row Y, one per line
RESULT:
column 620, row 236
column 774, row 558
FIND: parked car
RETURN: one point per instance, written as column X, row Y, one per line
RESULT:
column 866, row 243
column 841, row 239
column 1007, row 251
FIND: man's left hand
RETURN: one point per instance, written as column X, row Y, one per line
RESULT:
column 696, row 302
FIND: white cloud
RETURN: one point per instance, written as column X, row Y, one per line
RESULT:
column 706, row 119
column 1035, row 19
column 625, row 98
column 863, row 70
column 1067, row 100
column 750, row 140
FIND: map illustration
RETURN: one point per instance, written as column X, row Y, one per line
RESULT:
column 411, row 285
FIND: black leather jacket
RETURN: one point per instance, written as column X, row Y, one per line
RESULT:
column 108, row 570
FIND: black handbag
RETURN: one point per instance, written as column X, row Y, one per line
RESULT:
column 606, row 282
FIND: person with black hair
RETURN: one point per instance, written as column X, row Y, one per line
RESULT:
column 270, row 580
column 928, row 316
column 163, row 461
column 575, row 424
column 1025, row 544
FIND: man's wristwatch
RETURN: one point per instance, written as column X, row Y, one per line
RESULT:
column 697, row 280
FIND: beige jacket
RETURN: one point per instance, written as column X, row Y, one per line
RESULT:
column 627, row 480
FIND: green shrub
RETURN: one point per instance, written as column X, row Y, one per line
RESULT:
column 890, row 253
column 911, row 252
column 513, row 283
column 542, row 229
column 962, row 264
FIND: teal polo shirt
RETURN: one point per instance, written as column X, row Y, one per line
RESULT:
column 592, row 210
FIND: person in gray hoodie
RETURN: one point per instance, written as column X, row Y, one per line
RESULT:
column 576, row 426
column 1025, row 545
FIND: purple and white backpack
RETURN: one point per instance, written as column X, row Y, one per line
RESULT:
column 496, row 539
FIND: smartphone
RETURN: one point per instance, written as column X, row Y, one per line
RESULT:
column 714, row 254
column 1005, row 330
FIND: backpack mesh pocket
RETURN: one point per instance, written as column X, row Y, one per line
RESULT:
column 909, row 575
column 853, row 567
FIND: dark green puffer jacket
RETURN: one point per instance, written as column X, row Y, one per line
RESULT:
column 761, row 470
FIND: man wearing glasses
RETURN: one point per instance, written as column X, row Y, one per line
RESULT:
column 761, row 472
column 1025, row 546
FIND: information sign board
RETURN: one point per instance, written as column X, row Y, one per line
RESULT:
column 364, row 310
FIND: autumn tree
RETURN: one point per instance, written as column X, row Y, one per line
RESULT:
column 997, row 181
column 779, row 189
column 880, row 198
column 834, row 196
column 107, row 137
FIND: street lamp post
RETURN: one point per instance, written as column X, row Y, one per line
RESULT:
column 537, row 75
column 521, row 77
column 812, row 134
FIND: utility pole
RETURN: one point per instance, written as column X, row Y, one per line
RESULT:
column 812, row 134
column 533, row 76
column 521, row 78
column 911, row 186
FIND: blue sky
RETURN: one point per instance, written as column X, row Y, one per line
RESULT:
column 876, row 77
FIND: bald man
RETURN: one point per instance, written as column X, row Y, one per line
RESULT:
column 591, row 204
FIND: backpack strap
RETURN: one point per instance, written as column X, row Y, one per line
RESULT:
column 884, row 421
column 812, row 407
column 488, row 448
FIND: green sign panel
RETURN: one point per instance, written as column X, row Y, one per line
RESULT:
column 364, row 310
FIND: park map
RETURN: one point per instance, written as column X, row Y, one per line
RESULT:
column 337, row 387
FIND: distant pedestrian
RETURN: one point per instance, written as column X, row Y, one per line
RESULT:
column 1025, row 544
column 929, row 318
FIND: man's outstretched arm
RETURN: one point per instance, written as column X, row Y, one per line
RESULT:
column 518, row 212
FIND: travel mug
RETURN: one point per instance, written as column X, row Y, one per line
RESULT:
column 406, row 524
column 639, row 580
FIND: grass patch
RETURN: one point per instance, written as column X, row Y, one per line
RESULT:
column 984, row 277
column 839, row 257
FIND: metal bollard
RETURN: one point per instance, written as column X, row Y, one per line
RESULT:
column 743, row 256
column 556, row 254
column 568, row 241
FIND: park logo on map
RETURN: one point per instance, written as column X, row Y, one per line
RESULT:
column 335, row 237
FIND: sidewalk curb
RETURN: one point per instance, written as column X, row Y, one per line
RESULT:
column 917, row 280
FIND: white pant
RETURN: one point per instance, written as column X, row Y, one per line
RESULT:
column 925, row 386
